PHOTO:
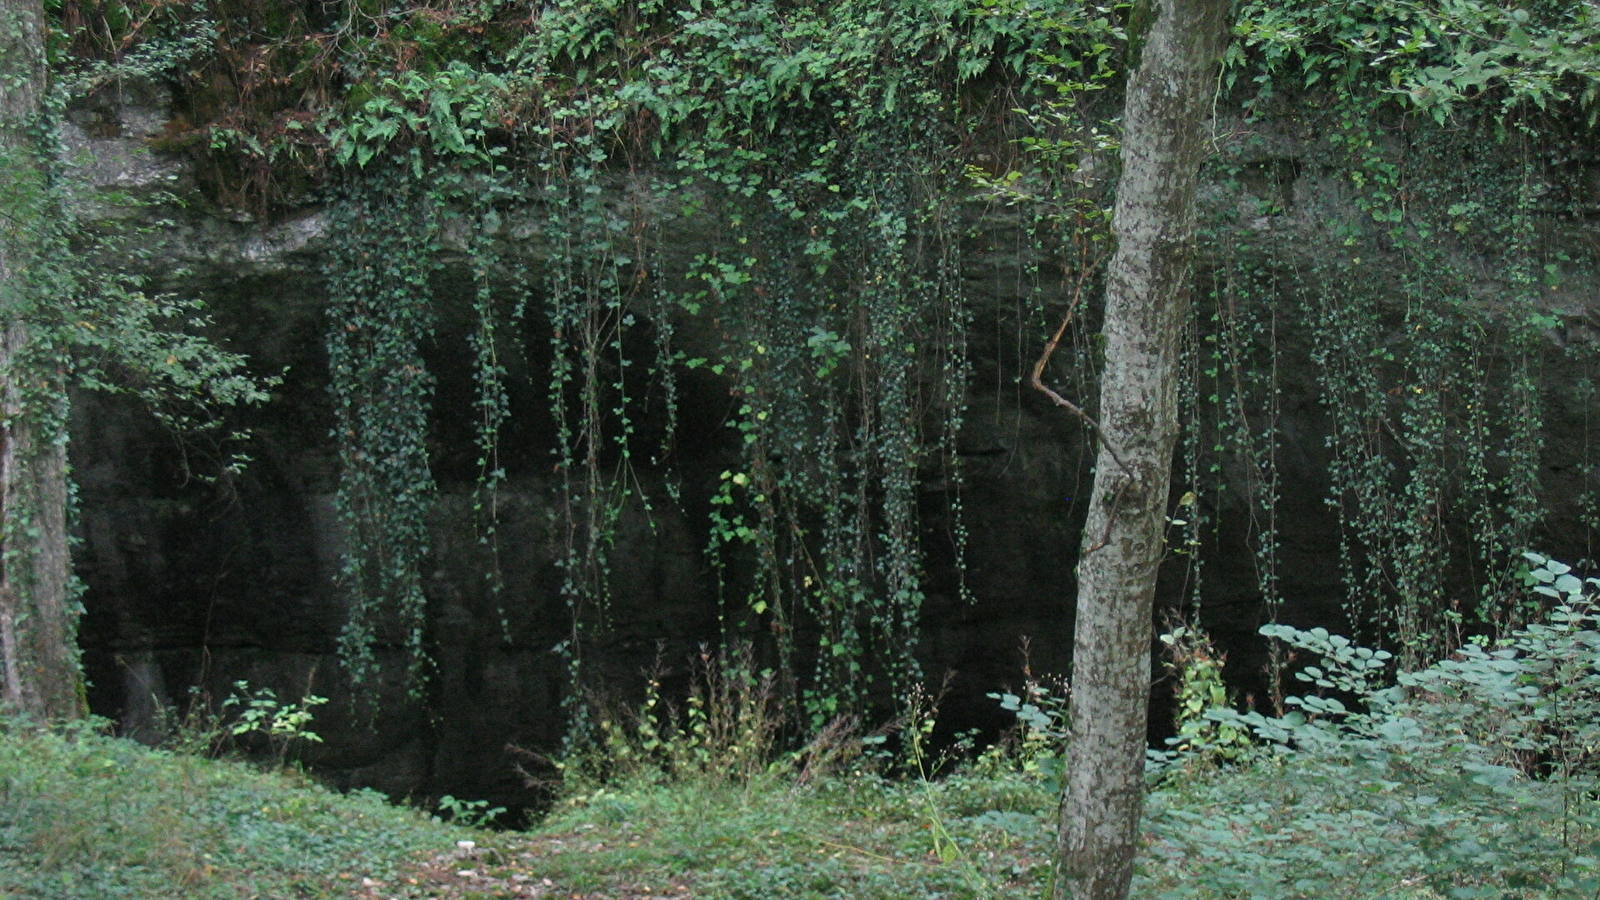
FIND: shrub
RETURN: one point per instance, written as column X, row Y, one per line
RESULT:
column 1474, row 777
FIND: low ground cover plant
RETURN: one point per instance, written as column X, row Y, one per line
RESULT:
column 85, row 815
column 1476, row 777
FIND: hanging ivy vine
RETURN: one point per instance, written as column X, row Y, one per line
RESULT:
column 1433, row 400
column 829, row 153
column 379, row 316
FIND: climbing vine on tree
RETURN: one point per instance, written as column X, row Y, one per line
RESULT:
column 70, row 318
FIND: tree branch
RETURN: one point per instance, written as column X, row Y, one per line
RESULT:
column 1036, row 378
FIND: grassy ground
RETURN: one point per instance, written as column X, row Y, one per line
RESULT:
column 848, row 836
column 86, row 816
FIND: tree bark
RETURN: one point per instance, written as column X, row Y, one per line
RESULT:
column 1174, row 45
column 40, row 667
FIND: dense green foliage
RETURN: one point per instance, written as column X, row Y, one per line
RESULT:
column 1472, row 777
column 92, row 323
column 835, row 281
column 1436, row 143
column 1391, row 180
column 830, row 162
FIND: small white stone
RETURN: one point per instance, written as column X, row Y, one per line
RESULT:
column 466, row 846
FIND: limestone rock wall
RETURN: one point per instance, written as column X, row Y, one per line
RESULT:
column 195, row 585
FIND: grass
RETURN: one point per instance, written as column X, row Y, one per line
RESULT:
column 83, row 815
column 1273, row 830
column 1419, row 800
column 87, row 816
column 845, row 836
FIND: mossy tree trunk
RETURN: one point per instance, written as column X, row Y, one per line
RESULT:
column 38, row 649
column 1174, row 46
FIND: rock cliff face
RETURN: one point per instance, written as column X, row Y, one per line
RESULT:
column 195, row 585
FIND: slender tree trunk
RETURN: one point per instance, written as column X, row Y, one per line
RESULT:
column 1174, row 45
column 37, row 615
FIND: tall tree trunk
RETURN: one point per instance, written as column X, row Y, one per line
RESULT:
column 38, row 652
column 1174, row 46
